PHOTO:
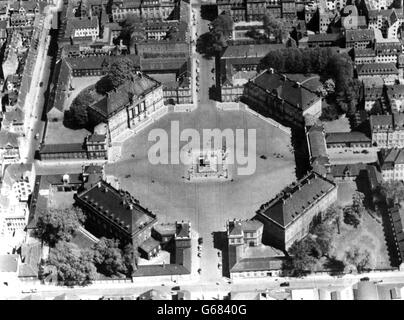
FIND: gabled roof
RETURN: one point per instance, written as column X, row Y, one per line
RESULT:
column 376, row 69
column 118, row 207
column 344, row 137
column 290, row 91
column 119, row 98
column 295, row 199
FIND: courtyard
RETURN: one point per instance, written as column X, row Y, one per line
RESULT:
column 208, row 204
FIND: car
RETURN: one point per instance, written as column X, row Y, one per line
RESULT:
column 365, row 279
column 41, row 84
column 219, row 254
column 176, row 288
column 219, row 266
column 200, row 240
column 199, row 254
column 285, row 284
column 199, row 270
column 36, row 136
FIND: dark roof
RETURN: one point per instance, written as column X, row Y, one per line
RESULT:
column 320, row 37
column 290, row 91
column 295, row 199
column 258, row 264
column 388, row 121
column 119, row 207
column 62, row 148
column 250, row 50
column 118, row 98
column 391, row 157
column 160, row 270
column 397, row 215
column 376, row 69
column 340, row 170
column 345, row 137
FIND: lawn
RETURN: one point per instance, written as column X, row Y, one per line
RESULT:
column 369, row 235
column 339, row 125
column 345, row 191
column 207, row 204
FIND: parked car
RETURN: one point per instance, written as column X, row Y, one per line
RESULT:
column 365, row 279
column 219, row 266
column 219, row 254
column 285, row 284
column 36, row 136
column 199, row 270
column 200, row 240
column 176, row 288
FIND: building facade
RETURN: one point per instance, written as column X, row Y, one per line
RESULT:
column 288, row 217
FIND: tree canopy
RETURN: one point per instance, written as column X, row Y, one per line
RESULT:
column 303, row 257
column 74, row 267
column 55, row 225
column 275, row 28
column 213, row 42
column 77, row 116
column 327, row 63
column 223, row 25
column 110, row 260
column 360, row 259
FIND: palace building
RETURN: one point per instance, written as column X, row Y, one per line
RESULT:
column 287, row 217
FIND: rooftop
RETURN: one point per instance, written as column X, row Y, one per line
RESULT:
column 295, row 199
column 290, row 91
column 117, row 206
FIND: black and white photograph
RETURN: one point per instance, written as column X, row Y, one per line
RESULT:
column 217, row 151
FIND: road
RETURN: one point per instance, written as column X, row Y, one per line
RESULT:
column 209, row 290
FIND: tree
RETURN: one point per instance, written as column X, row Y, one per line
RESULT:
column 303, row 257
column 77, row 116
column 109, row 259
column 325, row 233
column 120, row 71
column 74, row 267
column 351, row 218
column 213, row 42
column 360, row 259
column 210, row 44
column 54, row 225
column 357, row 203
column 275, row 28
column 393, row 190
column 223, row 25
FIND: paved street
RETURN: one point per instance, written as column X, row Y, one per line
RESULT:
column 209, row 290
